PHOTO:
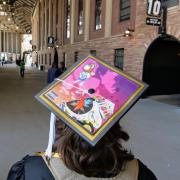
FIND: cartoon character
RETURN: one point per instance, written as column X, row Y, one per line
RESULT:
column 86, row 74
column 89, row 112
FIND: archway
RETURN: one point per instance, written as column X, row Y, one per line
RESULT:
column 162, row 66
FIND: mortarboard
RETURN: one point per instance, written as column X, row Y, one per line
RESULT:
column 90, row 97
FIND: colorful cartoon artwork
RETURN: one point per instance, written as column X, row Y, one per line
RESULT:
column 88, row 109
column 91, row 97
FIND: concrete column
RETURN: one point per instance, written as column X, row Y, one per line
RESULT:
column 45, row 30
column 41, row 23
column 4, row 41
column 17, row 44
column 0, row 44
column 54, row 20
column 87, row 20
column 5, row 47
column 72, row 21
column 50, row 18
column 12, row 43
column 7, row 41
column 108, row 18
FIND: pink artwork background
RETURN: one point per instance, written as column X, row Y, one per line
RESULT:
column 105, row 82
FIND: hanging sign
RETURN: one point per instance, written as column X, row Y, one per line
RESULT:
column 153, row 21
column 154, row 8
column 51, row 41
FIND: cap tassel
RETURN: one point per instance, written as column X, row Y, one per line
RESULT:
column 52, row 133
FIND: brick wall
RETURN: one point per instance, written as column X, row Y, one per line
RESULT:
column 135, row 46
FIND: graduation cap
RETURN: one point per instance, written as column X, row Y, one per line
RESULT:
column 90, row 97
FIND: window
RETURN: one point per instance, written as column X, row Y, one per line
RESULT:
column 42, row 59
column 64, row 58
column 119, row 58
column 171, row 3
column 45, row 58
column 98, row 14
column 80, row 17
column 37, row 57
column 125, row 8
column 49, row 59
column 93, row 52
column 76, row 56
column 68, row 18
column 3, row 13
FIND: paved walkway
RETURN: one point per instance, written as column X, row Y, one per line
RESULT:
column 23, row 121
column 153, row 126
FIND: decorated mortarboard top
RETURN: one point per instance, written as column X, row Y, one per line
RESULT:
column 91, row 96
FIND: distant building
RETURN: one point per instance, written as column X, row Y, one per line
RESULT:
column 81, row 27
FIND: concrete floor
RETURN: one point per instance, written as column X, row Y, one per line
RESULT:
column 23, row 121
column 154, row 127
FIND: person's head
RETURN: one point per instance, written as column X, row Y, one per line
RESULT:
column 54, row 65
column 62, row 63
column 105, row 158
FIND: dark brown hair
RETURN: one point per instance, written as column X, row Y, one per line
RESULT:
column 105, row 159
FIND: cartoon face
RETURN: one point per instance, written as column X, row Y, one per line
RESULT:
column 89, row 67
column 84, row 76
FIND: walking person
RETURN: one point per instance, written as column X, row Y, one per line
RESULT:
column 22, row 68
column 52, row 73
column 2, row 61
column 63, row 67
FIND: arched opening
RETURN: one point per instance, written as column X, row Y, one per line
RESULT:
column 162, row 66
column 56, row 59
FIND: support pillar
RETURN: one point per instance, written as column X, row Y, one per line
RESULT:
column 46, row 24
column 4, row 43
column 87, row 20
column 50, row 18
column 0, row 44
column 108, row 18
column 72, row 21
column 7, row 42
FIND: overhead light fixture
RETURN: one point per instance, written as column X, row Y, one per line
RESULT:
column 17, row 27
column 9, row 19
column 4, row 2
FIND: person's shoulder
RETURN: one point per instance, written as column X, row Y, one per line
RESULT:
column 30, row 166
column 145, row 173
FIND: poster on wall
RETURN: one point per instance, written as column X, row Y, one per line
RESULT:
column 91, row 96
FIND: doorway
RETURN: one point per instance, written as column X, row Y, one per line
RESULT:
column 162, row 66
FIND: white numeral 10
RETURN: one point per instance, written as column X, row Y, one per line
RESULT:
column 154, row 7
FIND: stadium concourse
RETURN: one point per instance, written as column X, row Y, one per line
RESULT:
column 153, row 124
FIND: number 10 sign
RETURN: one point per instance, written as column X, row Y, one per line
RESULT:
column 154, row 7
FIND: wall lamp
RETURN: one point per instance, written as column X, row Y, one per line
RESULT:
column 128, row 32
